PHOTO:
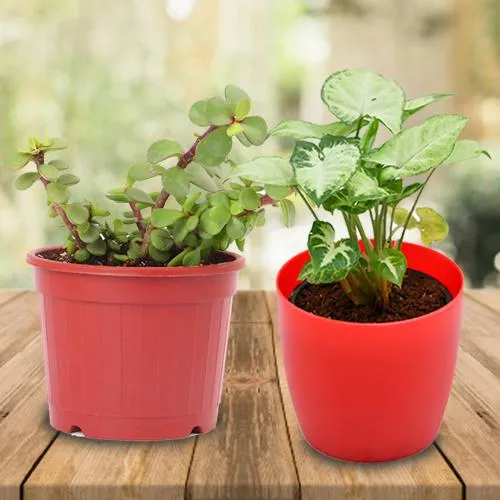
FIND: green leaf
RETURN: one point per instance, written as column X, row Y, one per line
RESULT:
column 400, row 217
column 418, row 149
column 68, row 179
column 255, row 130
column 288, row 211
column 390, row 265
column 242, row 109
column 213, row 220
column 218, row 111
column 163, row 217
column 180, row 231
column 240, row 244
column 338, row 258
column 236, row 207
column 464, row 151
column 242, row 138
column 192, row 258
column 299, row 129
column 249, row 199
column 198, row 114
column 96, row 211
column 88, row 233
column 176, row 182
column 139, row 195
column 267, row 170
column 370, row 135
column 190, row 202
column 277, row 192
column 354, row 93
column 26, row 180
column 198, row 176
column 322, row 170
column 145, row 171
column 433, row 227
column 82, row 255
column 97, row 247
column 158, row 255
column 118, row 195
column 218, row 199
column 50, row 172
column 235, row 228
column 192, row 222
column 213, row 149
column 234, row 129
column 234, row 94
column 163, row 149
column 57, row 193
column 54, row 145
column 77, row 213
column 315, row 276
column 412, row 106
column 362, row 187
column 59, row 164
column 16, row 161
column 161, row 240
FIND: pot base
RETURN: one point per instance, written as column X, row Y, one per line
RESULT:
column 131, row 429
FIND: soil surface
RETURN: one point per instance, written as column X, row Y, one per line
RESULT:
column 62, row 256
column 419, row 295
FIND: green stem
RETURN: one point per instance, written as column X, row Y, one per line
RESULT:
column 391, row 224
column 308, row 205
column 364, row 238
column 360, row 121
column 410, row 213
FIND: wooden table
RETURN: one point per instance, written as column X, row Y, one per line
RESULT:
column 257, row 450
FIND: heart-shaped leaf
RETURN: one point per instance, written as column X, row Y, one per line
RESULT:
column 354, row 93
column 267, row 170
column 401, row 216
column 322, row 170
column 390, row 265
column 432, row 225
column 418, row 149
column 362, row 187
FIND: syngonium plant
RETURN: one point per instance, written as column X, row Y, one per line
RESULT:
column 214, row 207
column 340, row 167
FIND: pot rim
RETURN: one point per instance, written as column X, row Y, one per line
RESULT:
column 371, row 326
column 35, row 260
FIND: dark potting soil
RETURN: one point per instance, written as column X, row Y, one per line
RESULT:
column 420, row 294
column 62, row 256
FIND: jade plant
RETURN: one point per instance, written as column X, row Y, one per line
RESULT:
column 342, row 167
column 209, row 206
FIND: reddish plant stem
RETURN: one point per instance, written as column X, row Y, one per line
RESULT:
column 39, row 161
column 138, row 217
column 184, row 161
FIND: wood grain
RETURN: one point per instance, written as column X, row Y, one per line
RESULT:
column 248, row 455
column 489, row 297
column 7, row 294
column 425, row 476
column 250, row 307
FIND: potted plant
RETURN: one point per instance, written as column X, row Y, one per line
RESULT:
column 369, row 324
column 136, row 307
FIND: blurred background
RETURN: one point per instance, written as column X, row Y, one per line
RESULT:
column 113, row 76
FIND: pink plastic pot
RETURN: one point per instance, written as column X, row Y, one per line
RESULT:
column 134, row 353
column 371, row 392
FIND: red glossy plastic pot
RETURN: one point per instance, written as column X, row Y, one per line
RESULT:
column 134, row 353
column 371, row 392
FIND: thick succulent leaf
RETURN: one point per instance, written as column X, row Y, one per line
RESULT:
column 57, row 193
column 88, row 232
column 234, row 129
column 77, row 213
column 433, row 227
column 352, row 93
column 401, row 216
column 145, row 171
column 339, row 258
column 198, row 176
column 362, row 187
column 97, row 247
column 214, row 148
column 255, row 129
column 161, row 240
column 249, row 199
column 412, row 106
column 176, row 182
column 198, row 114
column 267, row 170
column 213, row 220
column 390, row 264
column 464, row 151
column 218, row 111
column 50, row 172
column 322, row 170
column 26, row 180
column 68, row 179
column 234, row 94
column 18, row 160
column 192, row 258
column 139, row 195
column 235, row 228
column 277, row 192
column 418, row 149
column 163, row 149
column 163, row 217
column 242, row 109
column 288, row 211
column 59, row 164
column 299, row 129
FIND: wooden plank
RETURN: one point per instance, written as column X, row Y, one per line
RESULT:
column 19, row 324
column 75, row 469
column 7, row 294
column 250, row 307
column 425, row 476
column 489, row 297
column 248, row 455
